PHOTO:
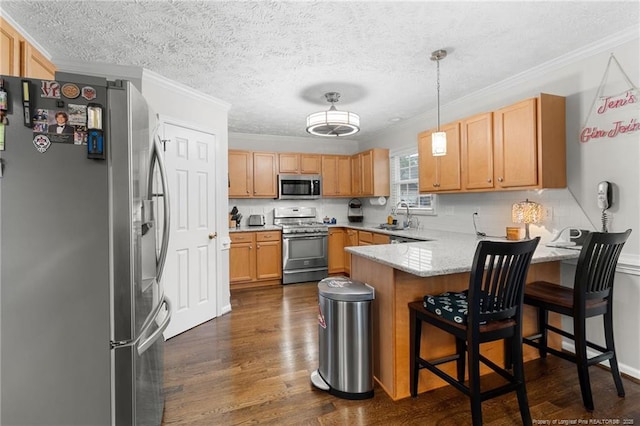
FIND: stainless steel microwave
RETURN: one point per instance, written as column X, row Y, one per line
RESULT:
column 301, row 187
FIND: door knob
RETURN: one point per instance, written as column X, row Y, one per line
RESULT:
column 213, row 235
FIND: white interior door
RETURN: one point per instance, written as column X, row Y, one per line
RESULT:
column 190, row 272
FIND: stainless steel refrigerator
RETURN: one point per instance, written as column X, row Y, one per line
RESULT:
column 82, row 308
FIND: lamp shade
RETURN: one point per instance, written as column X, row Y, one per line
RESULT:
column 526, row 212
column 438, row 144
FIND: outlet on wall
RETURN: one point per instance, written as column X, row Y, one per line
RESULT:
column 548, row 213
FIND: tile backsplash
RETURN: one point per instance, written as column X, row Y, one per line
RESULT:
column 454, row 211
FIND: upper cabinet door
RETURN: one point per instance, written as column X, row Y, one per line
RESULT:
column 19, row 58
column 449, row 165
column 439, row 173
column 374, row 172
column 240, row 174
column 310, row 164
column 288, row 163
column 344, row 175
column 36, row 65
column 9, row 49
column 427, row 164
column 516, row 147
column 477, row 151
column 264, row 175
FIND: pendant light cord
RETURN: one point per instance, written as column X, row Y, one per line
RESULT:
column 438, row 90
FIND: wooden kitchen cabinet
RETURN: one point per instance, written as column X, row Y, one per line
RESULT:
column 252, row 174
column 351, row 240
column 366, row 238
column 380, row 238
column 295, row 163
column 336, row 176
column 439, row 173
column 19, row 58
column 255, row 259
column 240, row 174
column 336, row 250
column 372, row 174
column 268, row 255
column 529, row 144
column 477, row 151
column 242, row 259
column 521, row 146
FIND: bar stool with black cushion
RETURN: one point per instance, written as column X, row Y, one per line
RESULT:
column 490, row 310
column 591, row 295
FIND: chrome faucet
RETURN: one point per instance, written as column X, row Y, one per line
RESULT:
column 406, row 221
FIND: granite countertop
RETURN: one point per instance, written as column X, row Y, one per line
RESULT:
column 247, row 228
column 445, row 253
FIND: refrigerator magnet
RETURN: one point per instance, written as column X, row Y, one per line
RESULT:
column 50, row 89
column 89, row 93
column 70, row 90
column 42, row 143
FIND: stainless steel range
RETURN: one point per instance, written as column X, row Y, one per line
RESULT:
column 304, row 244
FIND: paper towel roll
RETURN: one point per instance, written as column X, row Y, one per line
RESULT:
column 380, row 201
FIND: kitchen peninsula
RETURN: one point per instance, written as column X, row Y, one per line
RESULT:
column 402, row 273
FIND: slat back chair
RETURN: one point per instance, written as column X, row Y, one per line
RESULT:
column 591, row 295
column 491, row 309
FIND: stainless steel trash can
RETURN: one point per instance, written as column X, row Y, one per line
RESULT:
column 345, row 335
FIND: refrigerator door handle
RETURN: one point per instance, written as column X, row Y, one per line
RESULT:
column 156, row 156
column 146, row 343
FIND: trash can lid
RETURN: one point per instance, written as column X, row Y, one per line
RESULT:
column 345, row 289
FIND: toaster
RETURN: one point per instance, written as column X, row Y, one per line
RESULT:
column 256, row 220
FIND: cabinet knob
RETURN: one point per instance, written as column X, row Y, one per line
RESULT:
column 435, row 185
column 249, row 247
column 489, row 180
column 500, row 179
column 213, row 235
column 257, row 246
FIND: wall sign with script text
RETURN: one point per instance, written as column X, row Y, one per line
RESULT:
column 615, row 112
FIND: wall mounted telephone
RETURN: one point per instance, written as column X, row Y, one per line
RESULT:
column 604, row 195
column 604, row 202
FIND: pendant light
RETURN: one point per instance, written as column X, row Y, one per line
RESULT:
column 438, row 139
column 333, row 123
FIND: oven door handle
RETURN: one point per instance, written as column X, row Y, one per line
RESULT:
column 306, row 237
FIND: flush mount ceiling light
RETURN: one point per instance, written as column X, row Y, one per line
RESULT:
column 438, row 139
column 333, row 123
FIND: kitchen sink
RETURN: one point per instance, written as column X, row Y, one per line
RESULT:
column 388, row 227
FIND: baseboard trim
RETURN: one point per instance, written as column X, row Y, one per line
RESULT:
column 632, row 373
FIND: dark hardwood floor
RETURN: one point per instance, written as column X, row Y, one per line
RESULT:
column 253, row 364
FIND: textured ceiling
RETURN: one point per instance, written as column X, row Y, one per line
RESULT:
column 273, row 61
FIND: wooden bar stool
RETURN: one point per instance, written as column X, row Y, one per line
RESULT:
column 591, row 295
column 491, row 309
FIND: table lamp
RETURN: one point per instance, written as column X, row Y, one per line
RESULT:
column 526, row 212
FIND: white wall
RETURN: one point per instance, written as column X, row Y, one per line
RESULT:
column 171, row 100
column 314, row 145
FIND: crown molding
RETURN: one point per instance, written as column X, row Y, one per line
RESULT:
column 24, row 33
column 138, row 74
column 603, row 45
column 100, row 69
column 182, row 88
